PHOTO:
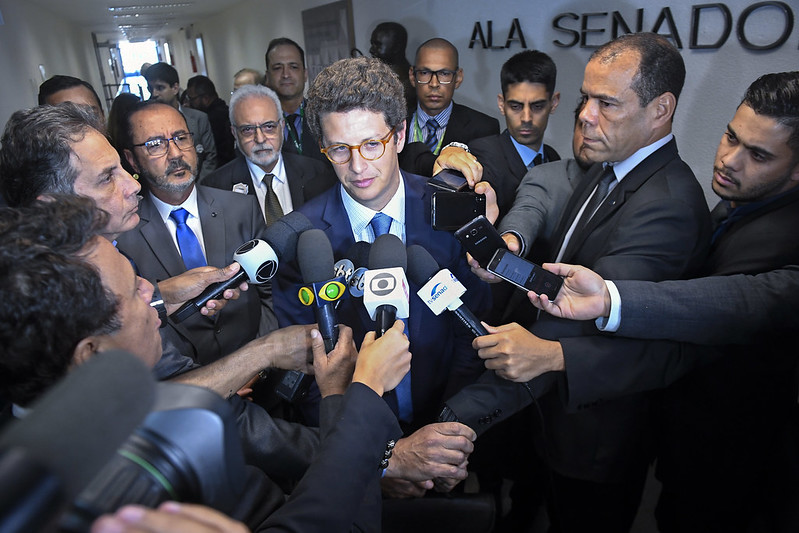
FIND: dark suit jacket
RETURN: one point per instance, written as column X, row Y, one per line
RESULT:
column 228, row 220
column 654, row 225
column 307, row 177
column 309, row 143
column 711, row 310
column 443, row 360
column 465, row 124
column 503, row 168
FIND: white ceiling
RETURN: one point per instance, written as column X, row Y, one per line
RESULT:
column 137, row 20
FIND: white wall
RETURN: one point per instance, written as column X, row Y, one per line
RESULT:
column 238, row 38
column 716, row 79
column 32, row 36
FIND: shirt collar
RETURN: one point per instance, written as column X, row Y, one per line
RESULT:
column 360, row 216
column 525, row 152
column 189, row 204
column 258, row 173
column 622, row 168
column 442, row 118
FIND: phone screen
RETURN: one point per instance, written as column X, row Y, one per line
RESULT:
column 524, row 274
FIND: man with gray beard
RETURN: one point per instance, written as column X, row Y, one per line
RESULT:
column 283, row 181
column 184, row 225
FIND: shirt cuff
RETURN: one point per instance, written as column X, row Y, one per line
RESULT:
column 613, row 321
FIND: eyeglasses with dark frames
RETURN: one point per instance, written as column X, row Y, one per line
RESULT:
column 269, row 129
column 444, row 76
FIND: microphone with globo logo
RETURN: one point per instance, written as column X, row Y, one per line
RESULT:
column 259, row 260
column 440, row 289
column 385, row 293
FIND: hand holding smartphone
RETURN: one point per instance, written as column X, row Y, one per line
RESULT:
column 480, row 239
column 524, row 274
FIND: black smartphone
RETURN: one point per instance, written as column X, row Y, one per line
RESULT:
column 449, row 180
column 451, row 210
column 524, row 274
column 481, row 239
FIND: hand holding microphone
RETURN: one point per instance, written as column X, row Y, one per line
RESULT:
column 258, row 258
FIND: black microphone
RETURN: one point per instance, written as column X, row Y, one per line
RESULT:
column 385, row 293
column 322, row 290
column 48, row 457
column 259, row 261
column 440, row 288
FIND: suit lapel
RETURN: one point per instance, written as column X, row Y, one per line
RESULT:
column 631, row 183
column 515, row 163
column 212, row 220
column 158, row 239
column 296, row 180
column 458, row 122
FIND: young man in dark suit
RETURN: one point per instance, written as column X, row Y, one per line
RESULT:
column 356, row 107
column 216, row 223
column 527, row 100
column 256, row 119
column 437, row 120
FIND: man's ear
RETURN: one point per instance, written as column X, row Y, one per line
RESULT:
column 411, row 76
column 501, row 103
column 85, row 350
column 458, row 78
column 399, row 135
column 664, row 106
column 555, row 101
column 131, row 159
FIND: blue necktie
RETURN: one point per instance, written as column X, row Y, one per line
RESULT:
column 190, row 248
column 381, row 223
column 431, row 140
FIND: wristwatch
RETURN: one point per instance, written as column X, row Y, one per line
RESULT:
column 458, row 145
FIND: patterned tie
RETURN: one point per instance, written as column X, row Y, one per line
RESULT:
column 272, row 207
column 381, row 223
column 602, row 189
column 431, row 140
column 537, row 160
column 189, row 246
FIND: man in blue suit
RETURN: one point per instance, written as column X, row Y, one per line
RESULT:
column 356, row 107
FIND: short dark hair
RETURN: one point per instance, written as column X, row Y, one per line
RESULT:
column 37, row 148
column 776, row 96
column 59, row 83
column 280, row 41
column 397, row 30
column 661, row 68
column 202, row 85
column 161, row 72
column 440, row 44
column 356, row 83
column 530, row 66
column 52, row 298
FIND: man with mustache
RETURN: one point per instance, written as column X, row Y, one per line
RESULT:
column 283, row 181
column 184, row 225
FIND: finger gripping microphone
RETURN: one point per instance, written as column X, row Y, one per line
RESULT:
column 385, row 293
column 258, row 259
column 322, row 290
column 440, row 289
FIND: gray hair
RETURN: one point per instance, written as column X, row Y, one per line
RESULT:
column 253, row 91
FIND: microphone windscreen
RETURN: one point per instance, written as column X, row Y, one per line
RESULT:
column 387, row 251
column 283, row 234
column 421, row 265
column 76, row 428
column 315, row 256
column 359, row 254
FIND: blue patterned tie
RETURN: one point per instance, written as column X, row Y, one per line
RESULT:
column 381, row 223
column 190, row 248
column 431, row 140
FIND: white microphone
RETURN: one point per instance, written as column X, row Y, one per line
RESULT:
column 385, row 292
